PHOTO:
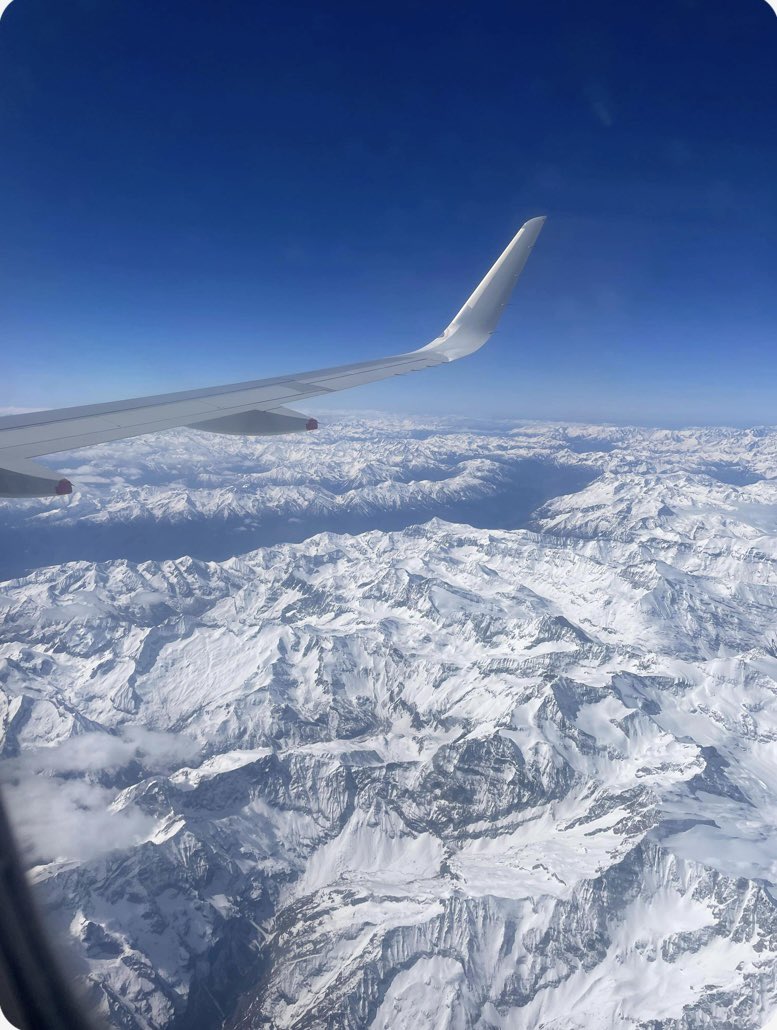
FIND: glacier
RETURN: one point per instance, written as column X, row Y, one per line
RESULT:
column 441, row 726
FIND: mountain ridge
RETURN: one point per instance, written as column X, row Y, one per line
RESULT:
column 445, row 776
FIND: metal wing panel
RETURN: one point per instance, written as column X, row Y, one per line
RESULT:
column 63, row 429
column 343, row 379
column 68, row 428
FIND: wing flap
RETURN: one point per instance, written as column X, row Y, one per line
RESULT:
column 23, row 478
column 258, row 423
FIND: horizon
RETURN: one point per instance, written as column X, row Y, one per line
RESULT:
column 394, row 411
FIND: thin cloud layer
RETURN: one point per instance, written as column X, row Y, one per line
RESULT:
column 62, row 808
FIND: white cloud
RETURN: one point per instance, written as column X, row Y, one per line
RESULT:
column 60, row 819
column 93, row 752
column 60, row 813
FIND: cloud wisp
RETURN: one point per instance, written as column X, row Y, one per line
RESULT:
column 66, row 801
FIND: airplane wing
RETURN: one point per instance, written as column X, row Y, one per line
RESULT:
column 255, row 408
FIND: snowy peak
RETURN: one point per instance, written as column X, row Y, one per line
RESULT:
column 443, row 775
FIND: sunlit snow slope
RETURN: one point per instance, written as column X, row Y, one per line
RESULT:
column 435, row 777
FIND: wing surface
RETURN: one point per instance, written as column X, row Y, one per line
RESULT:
column 257, row 407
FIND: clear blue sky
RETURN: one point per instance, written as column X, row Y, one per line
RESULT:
column 201, row 193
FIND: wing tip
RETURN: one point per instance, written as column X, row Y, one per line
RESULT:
column 532, row 227
column 477, row 320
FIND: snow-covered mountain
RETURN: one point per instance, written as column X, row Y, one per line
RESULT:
column 516, row 773
column 186, row 493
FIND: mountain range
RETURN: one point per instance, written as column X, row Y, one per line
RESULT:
column 413, row 725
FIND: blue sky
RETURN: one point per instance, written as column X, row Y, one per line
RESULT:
column 199, row 193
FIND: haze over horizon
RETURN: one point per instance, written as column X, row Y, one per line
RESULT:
column 191, row 199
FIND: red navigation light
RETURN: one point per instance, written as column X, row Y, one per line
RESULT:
column 64, row 486
column 311, row 424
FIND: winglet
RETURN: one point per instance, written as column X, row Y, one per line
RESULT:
column 477, row 320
